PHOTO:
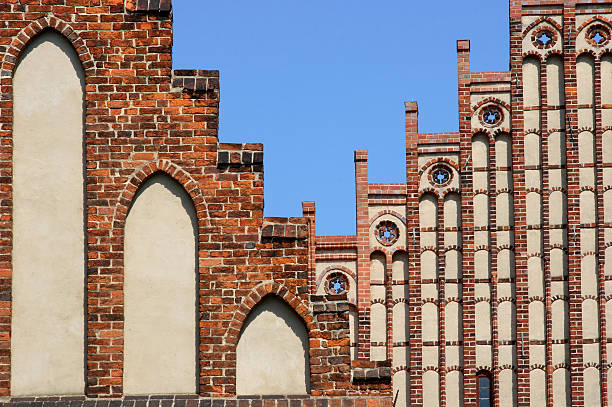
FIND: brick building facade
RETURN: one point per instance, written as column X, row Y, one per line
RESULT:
column 136, row 263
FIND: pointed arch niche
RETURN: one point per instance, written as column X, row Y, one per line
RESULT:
column 272, row 355
column 160, row 290
column 48, row 256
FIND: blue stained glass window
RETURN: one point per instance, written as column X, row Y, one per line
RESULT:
column 484, row 390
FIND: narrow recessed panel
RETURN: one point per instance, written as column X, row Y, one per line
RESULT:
column 47, row 343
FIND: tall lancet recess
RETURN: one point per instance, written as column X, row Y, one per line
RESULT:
column 48, row 254
column 160, row 290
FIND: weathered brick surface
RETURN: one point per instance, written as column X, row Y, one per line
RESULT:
column 143, row 117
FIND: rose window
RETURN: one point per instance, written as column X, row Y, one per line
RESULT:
column 544, row 38
column 387, row 233
column 491, row 116
column 598, row 35
column 337, row 284
column 441, row 176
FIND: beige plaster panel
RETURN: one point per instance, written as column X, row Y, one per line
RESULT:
column 560, row 320
column 400, row 387
column 400, row 322
column 506, row 317
column 272, row 352
column 481, row 210
column 531, row 118
column 454, row 389
column 452, row 239
column 536, row 321
column 586, row 117
column 429, row 315
column 503, row 150
column 322, row 265
column 378, row 265
column 533, row 179
column 400, row 266
column 607, row 146
column 555, row 94
column 558, row 288
column 584, row 75
column 378, row 292
column 556, row 145
column 529, row 19
column 504, row 209
column 402, row 240
column 532, row 149
column 452, row 266
column 453, row 321
column 534, row 208
column 431, row 356
column 588, row 240
column 483, row 321
column 452, row 210
column 454, row 355
column 423, row 159
column 482, row 290
column 507, row 388
column 556, row 120
column 505, row 290
column 481, row 264
column 590, row 319
column 558, row 263
column 592, row 394
column 431, row 388
column 48, row 240
column 503, row 180
column 557, row 208
column 561, row 388
column 608, row 290
column 452, row 290
column 400, row 356
column 560, row 353
column 400, row 291
column 428, row 212
column 424, row 179
column 505, row 264
column 607, row 235
column 558, row 236
column 537, row 354
column 606, row 117
column 480, row 151
column 160, row 290
column 535, row 276
column 608, row 261
column 537, row 388
column 480, row 180
column 588, row 275
column 534, row 241
column 478, row 97
column 507, row 355
column 481, row 238
column 483, row 355
column 378, row 353
column 505, row 237
column 374, row 210
column 586, row 147
column 606, row 85
column 531, row 83
column 556, row 178
column 429, row 239
column 607, row 172
column 608, row 313
column 378, row 323
column 607, row 198
column 429, row 265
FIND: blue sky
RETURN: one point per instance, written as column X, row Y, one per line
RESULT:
column 315, row 80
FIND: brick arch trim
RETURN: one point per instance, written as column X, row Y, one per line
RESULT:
column 21, row 41
column 331, row 268
column 593, row 20
column 144, row 172
column 541, row 21
column 388, row 212
column 250, row 301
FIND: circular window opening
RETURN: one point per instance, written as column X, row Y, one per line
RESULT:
column 441, row 175
column 544, row 38
column 598, row 35
column 387, row 233
column 337, row 284
column 491, row 116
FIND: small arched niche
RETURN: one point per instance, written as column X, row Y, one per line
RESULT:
column 160, row 290
column 272, row 352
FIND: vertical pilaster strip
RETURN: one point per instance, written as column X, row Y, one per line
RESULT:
column 413, row 245
column 308, row 211
column 467, row 216
column 363, row 254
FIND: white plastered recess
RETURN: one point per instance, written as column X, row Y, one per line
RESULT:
column 272, row 352
column 47, row 338
column 160, row 290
